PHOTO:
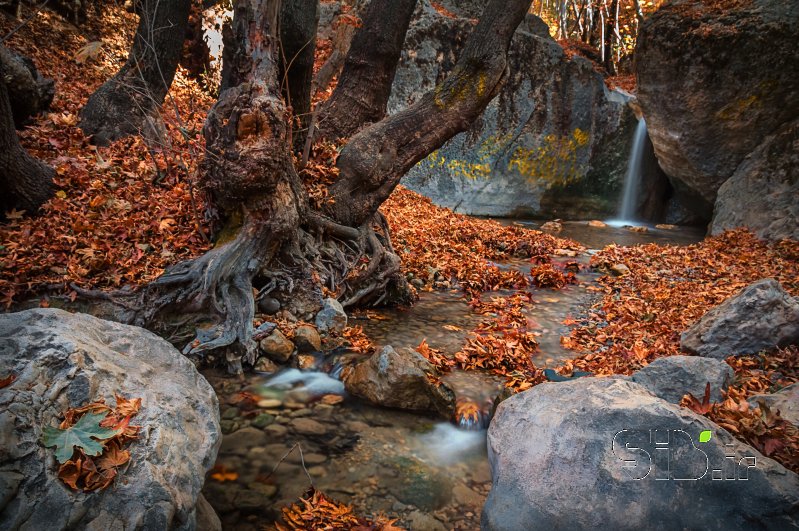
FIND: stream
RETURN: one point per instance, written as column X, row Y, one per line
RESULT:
column 300, row 428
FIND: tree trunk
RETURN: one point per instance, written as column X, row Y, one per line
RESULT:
column 342, row 40
column 373, row 161
column 196, row 56
column 298, row 22
column 128, row 103
column 365, row 83
column 28, row 92
column 25, row 182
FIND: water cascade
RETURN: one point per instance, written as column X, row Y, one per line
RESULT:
column 632, row 178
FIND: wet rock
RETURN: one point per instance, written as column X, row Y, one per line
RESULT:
column 228, row 426
column 597, row 224
column 552, row 226
column 708, row 97
column 399, row 378
column 251, row 501
column 307, row 339
column 331, row 317
column 763, row 193
column 230, row 413
column 269, row 305
column 268, row 403
column 619, row 270
column 263, row 489
column 240, row 441
column 64, row 360
column 419, row 485
column 263, row 420
column 276, row 430
column 264, row 364
column 420, row 521
column 207, row 519
column 306, row 426
column 671, row 377
column 463, row 495
column 553, row 143
column 277, row 347
column 761, row 316
column 580, row 455
column 786, row 401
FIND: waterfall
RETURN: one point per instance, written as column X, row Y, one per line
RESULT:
column 632, row 179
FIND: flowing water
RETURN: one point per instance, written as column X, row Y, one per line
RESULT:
column 632, row 179
column 424, row 471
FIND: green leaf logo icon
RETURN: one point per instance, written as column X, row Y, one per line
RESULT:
column 705, row 436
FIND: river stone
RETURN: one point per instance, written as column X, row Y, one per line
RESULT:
column 575, row 455
column 761, row 316
column 64, row 360
column 671, row 377
column 763, row 193
column 785, row 400
column 554, row 143
column 708, row 95
column 399, row 379
column 240, row 441
column 419, row 485
column 331, row 317
column 277, row 347
column 307, row 339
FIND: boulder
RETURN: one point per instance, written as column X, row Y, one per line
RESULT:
column 64, row 360
column 277, row 347
column 761, row 316
column 307, row 339
column 554, row 143
column 399, row 379
column 605, row 453
column 708, row 95
column 785, row 400
column 671, row 377
column 331, row 317
column 763, row 193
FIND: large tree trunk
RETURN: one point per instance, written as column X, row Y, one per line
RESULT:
column 128, row 103
column 365, row 82
column 25, row 182
column 298, row 22
column 373, row 161
column 342, row 40
column 273, row 238
column 28, row 92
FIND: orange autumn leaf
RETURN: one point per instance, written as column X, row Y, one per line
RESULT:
column 221, row 474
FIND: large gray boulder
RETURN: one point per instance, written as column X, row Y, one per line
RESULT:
column 763, row 193
column 672, row 377
column 707, row 92
column 761, row 316
column 786, row 401
column 399, row 379
column 63, row 360
column 605, row 453
column 554, row 142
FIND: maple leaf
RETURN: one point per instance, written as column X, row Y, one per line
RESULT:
column 703, row 407
column 113, row 457
column 221, row 474
column 82, row 435
column 126, row 407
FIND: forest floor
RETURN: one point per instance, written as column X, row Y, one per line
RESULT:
column 124, row 213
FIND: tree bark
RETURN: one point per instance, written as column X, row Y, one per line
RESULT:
column 298, row 22
column 128, row 103
column 28, row 92
column 196, row 56
column 25, row 182
column 342, row 40
column 364, row 85
column 373, row 161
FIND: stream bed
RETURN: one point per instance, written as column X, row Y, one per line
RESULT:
column 287, row 431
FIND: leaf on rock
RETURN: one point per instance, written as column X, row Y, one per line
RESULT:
column 81, row 435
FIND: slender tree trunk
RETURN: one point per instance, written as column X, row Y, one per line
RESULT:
column 25, row 182
column 373, row 161
column 128, row 103
column 365, row 83
column 196, row 56
column 298, row 22
column 341, row 47
column 607, row 56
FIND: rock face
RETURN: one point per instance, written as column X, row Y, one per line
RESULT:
column 763, row 193
column 785, row 400
column 64, row 360
column 671, row 377
column 398, row 378
column 761, row 316
column 582, row 455
column 554, row 143
column 708, row 96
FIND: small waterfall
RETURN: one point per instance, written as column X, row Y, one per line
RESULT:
column 632, row 179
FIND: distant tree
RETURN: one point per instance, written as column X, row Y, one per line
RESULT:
column 128, row 103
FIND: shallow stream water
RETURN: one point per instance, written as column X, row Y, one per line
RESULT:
column 424, row 471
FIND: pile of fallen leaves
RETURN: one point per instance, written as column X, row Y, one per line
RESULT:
column 314, row 510
column 120, row 214
column 90, row 442
column 644, row 311
column 439, row 247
